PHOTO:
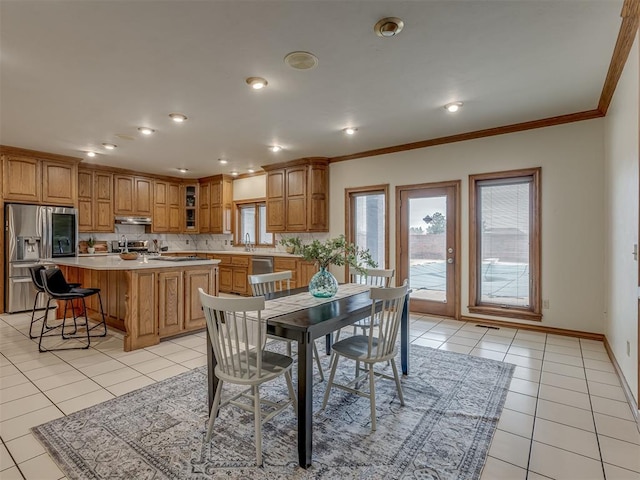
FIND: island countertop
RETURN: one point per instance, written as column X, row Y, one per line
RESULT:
column 114, row 262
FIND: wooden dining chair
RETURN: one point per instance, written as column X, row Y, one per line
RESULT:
column 378, row 345
column 376, row 277
column 238, row 334
column 267, row 283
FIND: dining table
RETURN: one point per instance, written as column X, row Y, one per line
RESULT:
column 296, row 315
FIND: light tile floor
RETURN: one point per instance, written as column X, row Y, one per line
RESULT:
column 565, row 416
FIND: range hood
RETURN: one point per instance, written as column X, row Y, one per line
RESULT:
column 133, row 220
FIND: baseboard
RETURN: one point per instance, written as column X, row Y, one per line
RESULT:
column 536, row 328
column 625, row 386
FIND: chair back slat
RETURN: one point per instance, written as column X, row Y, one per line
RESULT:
column 270, row 282
column 376, row 277
column 390, row 301
column 237, row 333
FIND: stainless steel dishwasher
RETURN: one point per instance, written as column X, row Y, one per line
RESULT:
column 260, row 265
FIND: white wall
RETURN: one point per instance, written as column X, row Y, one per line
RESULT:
column 621, row 212
column 571, row 157
column 250, row 187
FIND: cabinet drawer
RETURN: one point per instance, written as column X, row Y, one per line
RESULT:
column 224, row 259
column 280, row 263
column 241, row 261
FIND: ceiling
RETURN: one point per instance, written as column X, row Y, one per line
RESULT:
column 77, row 74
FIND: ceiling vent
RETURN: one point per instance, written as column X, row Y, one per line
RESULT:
column 301, row 60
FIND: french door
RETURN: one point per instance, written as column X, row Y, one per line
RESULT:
column 428, row 246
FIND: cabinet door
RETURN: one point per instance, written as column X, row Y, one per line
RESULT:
column 21, row 178
column 103, row 195
column 296, row 204
column 227, row 206
column 160, row 208
column 59, row 183
column 124, row 195
column 318, row 199
column 174, row 207
column 85, row 201
column 194, row 279
column 240, row 281
column 283, row 264
column 275, row 201
column 170, row 303
column 225, row 277
column 143, row 196
column 306, row 270
column 205, row 208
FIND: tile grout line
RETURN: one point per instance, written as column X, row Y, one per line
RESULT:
column 535, row 414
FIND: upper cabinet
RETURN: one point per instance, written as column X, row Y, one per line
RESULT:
column 95, row 201
column 190, row 208
column 298, row 196
column 33, row 177
column 216, row 204
column 166, row 207
column 133, row 195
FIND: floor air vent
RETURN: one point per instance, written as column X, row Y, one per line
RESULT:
column 488, row 326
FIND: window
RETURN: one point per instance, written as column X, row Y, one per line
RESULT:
column 366, row 222
column 504, row 216
column 251, row 223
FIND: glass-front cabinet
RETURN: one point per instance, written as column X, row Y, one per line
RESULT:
column 190, row 208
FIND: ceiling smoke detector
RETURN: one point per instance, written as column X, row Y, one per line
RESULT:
column 301, row 60
column 388, row 27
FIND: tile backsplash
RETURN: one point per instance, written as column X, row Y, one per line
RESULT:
column 189, row 242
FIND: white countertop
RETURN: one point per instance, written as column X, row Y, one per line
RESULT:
column 256, row 253
column 114, row 262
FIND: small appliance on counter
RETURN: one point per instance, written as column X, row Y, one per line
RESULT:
column 139, row 246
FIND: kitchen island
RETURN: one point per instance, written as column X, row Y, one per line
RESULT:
column 146, row 299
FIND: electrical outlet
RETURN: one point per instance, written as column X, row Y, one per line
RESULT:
column 628, row 348
column 226, row 242
column 187, row 242
column 206, row 242
column 545, row 304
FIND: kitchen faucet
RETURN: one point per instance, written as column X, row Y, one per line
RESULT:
column 247, row 242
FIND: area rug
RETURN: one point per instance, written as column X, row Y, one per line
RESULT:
column 452, row 406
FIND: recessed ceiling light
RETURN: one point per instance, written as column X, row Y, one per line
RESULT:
column 91, row 154
column 453, row 107
column 234, row 174
column 178, row 117
column 350, row 130
column 251, row 170
column 146, row 131
column 182, row 170
column 109, row 146
column 256, row 83
column 223, row 161
column 275, row 148
column 388, row 27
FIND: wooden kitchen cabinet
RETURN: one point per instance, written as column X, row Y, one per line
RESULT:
column 216, row 204
column 133, row 195
column 166, row 207
column 193, row 280
column 306, row 270
column 298, row 196
column 39, row 178
column 95, row 201
column 283, row 264
column 233, row 273
column 190, row 207
column 170, row 303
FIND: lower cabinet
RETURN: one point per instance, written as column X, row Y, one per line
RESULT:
column 193, row 313
column 233, row 273
column 170, row 303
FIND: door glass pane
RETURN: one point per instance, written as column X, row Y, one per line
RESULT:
column 369, row 228
column 427, row 248
column 504, row 243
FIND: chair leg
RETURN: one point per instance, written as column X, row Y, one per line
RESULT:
column 316, row 356
column 214, row 411
column 372, row 397
column 33, row 314
column 335, row 340
column 104, row 320
column 44, row 323
column 397, row 377
column 292, row 392
column 86, row 323
column 258, row 423
column 334, row 363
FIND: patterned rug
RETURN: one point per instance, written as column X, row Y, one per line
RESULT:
column 452, row 406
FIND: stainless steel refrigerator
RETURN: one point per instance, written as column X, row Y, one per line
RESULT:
column 34, row 234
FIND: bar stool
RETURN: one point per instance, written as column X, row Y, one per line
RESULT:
column 37, row 283
column 57, row 288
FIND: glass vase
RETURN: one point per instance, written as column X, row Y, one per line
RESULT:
column 323, row 284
